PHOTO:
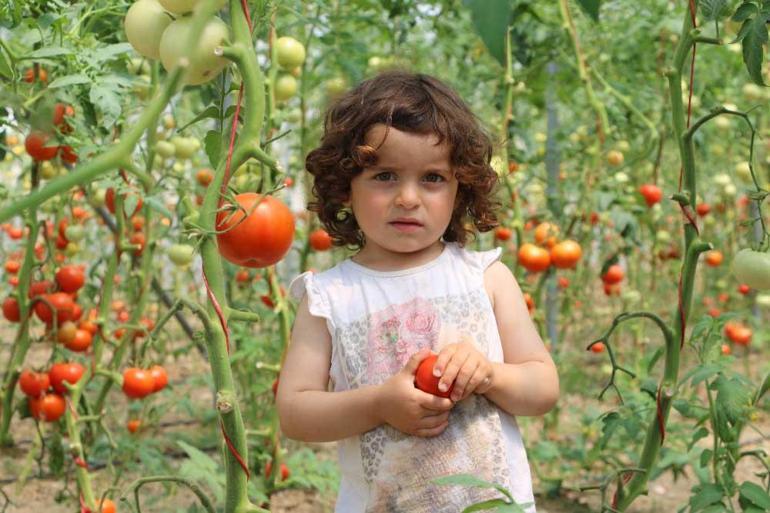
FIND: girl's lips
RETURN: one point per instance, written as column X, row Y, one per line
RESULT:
column 405, row 227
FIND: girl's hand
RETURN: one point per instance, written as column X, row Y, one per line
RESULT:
column 464, row 365
column 409, row 409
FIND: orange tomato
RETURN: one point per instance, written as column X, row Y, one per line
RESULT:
column 534, row 258
column 565, row 254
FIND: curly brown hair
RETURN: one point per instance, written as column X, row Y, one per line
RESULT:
column 410, row 102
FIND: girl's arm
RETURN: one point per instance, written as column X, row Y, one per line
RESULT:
column 310, row 413
column 527, row 382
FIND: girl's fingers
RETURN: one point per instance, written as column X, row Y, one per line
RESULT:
column 452, row 370
column 463, row 383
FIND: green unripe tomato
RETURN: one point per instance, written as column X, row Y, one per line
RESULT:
column 184, row 6
column 663, row 236
column 74, row 233
column 165, row 149
column 145, row 24
column 743, row 170
column 185, row 147
column 336, row 86
column 71, row 249
column 47, row 170
column 98, row 197
column 290, row 52
column 181, row 254
column 204, row 63
column 285, row 87
column 752, row 268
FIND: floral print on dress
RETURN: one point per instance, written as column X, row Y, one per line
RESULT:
column 396, row 333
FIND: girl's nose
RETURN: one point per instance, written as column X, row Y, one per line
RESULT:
column 408, row 196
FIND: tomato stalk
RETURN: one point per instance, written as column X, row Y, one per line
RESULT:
column 22, row 343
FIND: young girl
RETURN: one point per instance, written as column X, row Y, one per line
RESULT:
column 402, row 174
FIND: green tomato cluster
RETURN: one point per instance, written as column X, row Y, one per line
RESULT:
column 152, row 31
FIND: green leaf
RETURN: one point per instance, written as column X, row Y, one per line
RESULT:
column 155, row 204
column 69, row 80
column 751, row 494
column 108, row 52
column 705, row 495
column 49, row 51
column 714, row 9
column 702, row 432
column 491, row 19
column 212, row 111
column 107, row 102
column 705, row 457
column 745, row 11
column 471, row 480
column 6, row 70
column 754, row 37
column 591, row 7
column 496, row 504
column 701, row 372
column 733, row 398
column 213, row 144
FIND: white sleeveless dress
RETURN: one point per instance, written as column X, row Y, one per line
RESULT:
column 377, row 320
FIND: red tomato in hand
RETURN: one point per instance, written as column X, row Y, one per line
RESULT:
column 426, row 381
column 262, row 238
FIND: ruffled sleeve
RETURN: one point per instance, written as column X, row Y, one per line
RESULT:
column 317, row 302
column 480, row 260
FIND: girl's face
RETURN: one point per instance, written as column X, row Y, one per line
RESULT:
column 404, row 203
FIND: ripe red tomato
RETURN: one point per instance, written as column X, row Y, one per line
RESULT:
column 61, row 302
column 109, row 200
column 48, row 407
column 738, row 333
column 714, row 258
column 30, row 76
column 598, row 347
column 133, row 425
column 652, row 193
column 534, row 258
column 529, row 302
column 137, row 383
column 426, row 381
column 61, row 110
column 12, row 266
column 11, row 309
column 71, row 372
column 702, row 209
column 503, row 233
column 262, row 238
column 80, row 342
column 34, row 384
column 320, row 240
column 138, row 239
column 70, row 278
column 565, row 254
column 40, row 287
column 204, row 177
column 284, row 472
column 613, row 275
column 563, row 282
column 159, row 378
column 37, row 148
column 744, row 289
column 67, row 154
column 106, row 507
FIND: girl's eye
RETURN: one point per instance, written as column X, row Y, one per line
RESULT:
column 383, row 177
column 435, row 178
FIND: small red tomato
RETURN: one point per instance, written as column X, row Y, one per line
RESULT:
column 49, row 407
column 133, row 425
column 34, row 384
column 702, row 209
column 613, row 275
column 37, row 146
column 11, row 309
column 426, row 381
column 70, row 278
column 137, row 383
column 160, row 378
column 503, row 233
column 598, row 347
column 12, row 266
column 744, row 289
column 69, row 372
column 320, row 240
column 80, row 342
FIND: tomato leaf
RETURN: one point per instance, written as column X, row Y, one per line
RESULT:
column 49, row 51
column 751, row 494
column 491, row 18
column 107, row 102
column 705, row 495
column 753, row 35
column 471, row 480
column 701, row 433
column 733, row 398
column 714, row 9
column 213, row 144
column 108, row 52
column 496, row 505
column 591, row 7
column 6, row 69
column 212, row 111
column 69, row 80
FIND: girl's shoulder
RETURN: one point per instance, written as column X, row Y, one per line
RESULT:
column 477, row 261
